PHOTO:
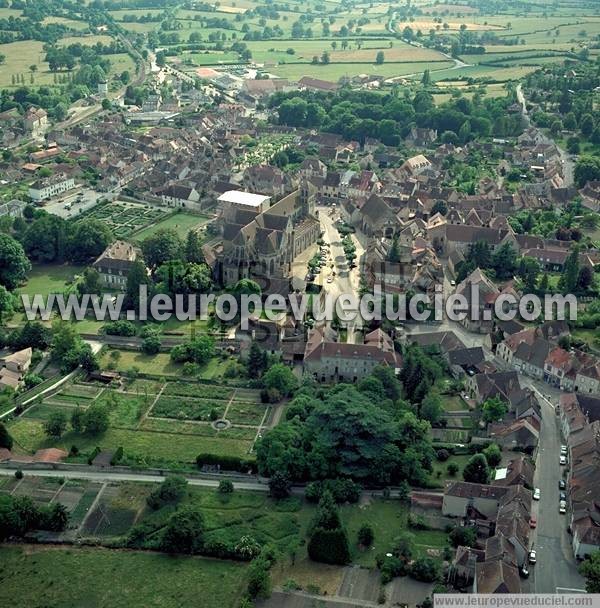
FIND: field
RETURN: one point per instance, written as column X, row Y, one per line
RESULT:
column 23, row 54
column 63, row 577
column 182, row 223
column 47, row 279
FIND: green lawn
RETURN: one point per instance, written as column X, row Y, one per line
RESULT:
column 442, row 468
column 159, row 364
column 182, row 223
column 97, row 578
column 48, row 278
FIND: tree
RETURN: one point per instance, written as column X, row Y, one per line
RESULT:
column 281, row 378
column 279, row 486
column 431, row 408
column 477, row 470
column 570, row 275
column 14, row 265
column 259, row 579
column 504, row 261
column 170, row 491
column 65, row 340
column 585, row 278
column 225, row 486
column 379, row 58
column 78, row 420
column 587, row 169
column 151, row 344
column 493, row 409
column 366, row 536
column 193, row 248
column 452, row 469
column 6, row 304
column 257, row 360
column 184, row 532
column 6, row 441
column 95, row 420
column 136, row 277
column 426, row 80
column 163, row 246
column 590, row 569
column 493, row 455
column 586, row 125
column 328, row 541
column 91, row 282
column 325, row 58
column 529, row 270
column 56, row 424
column 425, row 569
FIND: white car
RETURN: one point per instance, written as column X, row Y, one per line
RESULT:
column 563, row 450
column 563, row 460
column 330, row 279
column 536, row 494
column 562, row 507
column 532, row 557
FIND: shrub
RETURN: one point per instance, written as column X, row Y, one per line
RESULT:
column 452, row 469
column 366, row 536
column 424, row 569
column 117, row 456
column 329, row 546
column 18, row 474
column 170, row 491
column 443, row 455
column 225, row 486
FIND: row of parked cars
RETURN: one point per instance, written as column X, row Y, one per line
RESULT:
column 562, row 508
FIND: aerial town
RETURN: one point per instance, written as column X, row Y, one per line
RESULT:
column 169, row 150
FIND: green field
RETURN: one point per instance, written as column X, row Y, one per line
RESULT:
column 49, row 278
column 182, row 223
column 102, row 578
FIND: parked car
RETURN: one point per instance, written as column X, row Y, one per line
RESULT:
column 532, row 556
column 563, row 460
column 562, row 506
column 452, row 283
column 563, row 496
column 330, row 279
column 524, row 571
column 563, row 449
column 532, row 522
column 562, row 484
column 536, row 494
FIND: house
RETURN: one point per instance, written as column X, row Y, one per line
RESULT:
column 180, row 196
column 499, row 384
column 35, row 120
column 519, row 471
column 308, row 83
column 480, row 294
column 47, row 188
column 421, row 138
column 13, row 208
column 265, row 179
column 13, row 368
column 462, row 497
column 470, row 360
column 114, row 264
column 526, row 351
column 522, row 434
column 415, row 165
column 328, row 361
column 496, row 576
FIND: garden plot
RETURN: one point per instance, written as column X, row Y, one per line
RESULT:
column 126, row 218
column 115, row 512
column 42, row 490
column 251, row 414
column 193, row 389
column 187, row 408
column 125, row 410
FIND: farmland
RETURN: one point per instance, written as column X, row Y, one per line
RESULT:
column 65, row 575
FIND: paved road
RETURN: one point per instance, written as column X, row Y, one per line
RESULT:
column 141, row 477
column 555, row 566
column 566, row 159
